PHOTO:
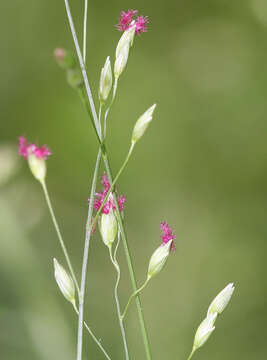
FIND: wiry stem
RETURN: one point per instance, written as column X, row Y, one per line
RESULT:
column 133, row 295
column 191, row 354
column 92, row 334
column 85, row 257
column 92, row 113
column 85, row 28
column 60, row 238
column 116, row 265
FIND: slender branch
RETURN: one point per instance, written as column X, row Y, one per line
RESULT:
column 133, row 295
column 60, row 238
column 85, row 29
column 92, row 113
column 191, row 354
column 116, row 265
column 92, row 334
column 85, row 258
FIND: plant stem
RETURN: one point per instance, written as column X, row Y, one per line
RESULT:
column 130, row 267
column 116, row 265
column 191, row 354
column 92, row 113
column 60, row 238
column 133, row 295
column 92, row 334
column 85, row 258
column 85, row 28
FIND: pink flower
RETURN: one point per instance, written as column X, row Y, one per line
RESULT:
column 109, row 204
column 167, row 234
column 126, row 20
column 26, row 149
column 141, row 24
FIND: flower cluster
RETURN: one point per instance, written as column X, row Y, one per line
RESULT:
column 167, row 234
column 127, row 20
column 26, row 149
column 110, row 204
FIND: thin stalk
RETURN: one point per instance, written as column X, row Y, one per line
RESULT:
column 92, row 334
column 116, row 265
column 130, row 267
column 92, row 113
column 133, row 295
column 191, row 355
column 85, row 257
column 85, row 28
column 60, row 238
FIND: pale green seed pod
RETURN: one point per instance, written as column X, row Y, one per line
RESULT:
column 142, row 124
column 37, row 167
column 105, row 83
column 204, row 331
column 221, row 300
column 126, row 38
column 158, row 259
column 65, row 282
column 108, row 227
column 121, row 60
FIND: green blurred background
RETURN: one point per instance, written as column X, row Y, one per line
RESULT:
column 201, row 167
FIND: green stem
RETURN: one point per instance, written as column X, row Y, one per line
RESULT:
column 116, row 265
column 92, row 114
column 191, row 354
column 133, row 295
column 92, row 334
column 130, row 267
column 60, row 238
column 85, row 257
column 85, row 28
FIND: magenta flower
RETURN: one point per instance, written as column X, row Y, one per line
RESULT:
column 26, row 149
column 127, row 20
column 167, row 234
column 109, row 204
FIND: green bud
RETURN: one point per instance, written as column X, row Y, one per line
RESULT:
column 121, row 60
column 105, row 83
column 108, row 227
column 158, row 259
column 127, row 38
column 221, row 300
column 64, row 58
column 37, row 167
column 142, row 123
column 74, row 77
column 65, row 282
column 204, row 331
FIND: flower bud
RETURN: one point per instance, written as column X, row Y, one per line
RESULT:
column 158, row 259
column 204, row 331
column 221, row 300
column 126, row 38
column 121, row 60
column 65, row 282
column 64, row 58
column 105, row 83
column 142, row 123
column 108, row 227
column 74, row 77
column 37, row 166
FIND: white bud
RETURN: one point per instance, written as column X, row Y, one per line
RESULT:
column 105, row 83
column 126, row 38
column 37, row 167
column 221, row 300
column 65, row 282
column 158, row 259
column 142, row 123
column 204, row 331
column 121, row 60
column 108, row 227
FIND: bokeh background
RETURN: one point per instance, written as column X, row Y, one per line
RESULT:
column 201, row 166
